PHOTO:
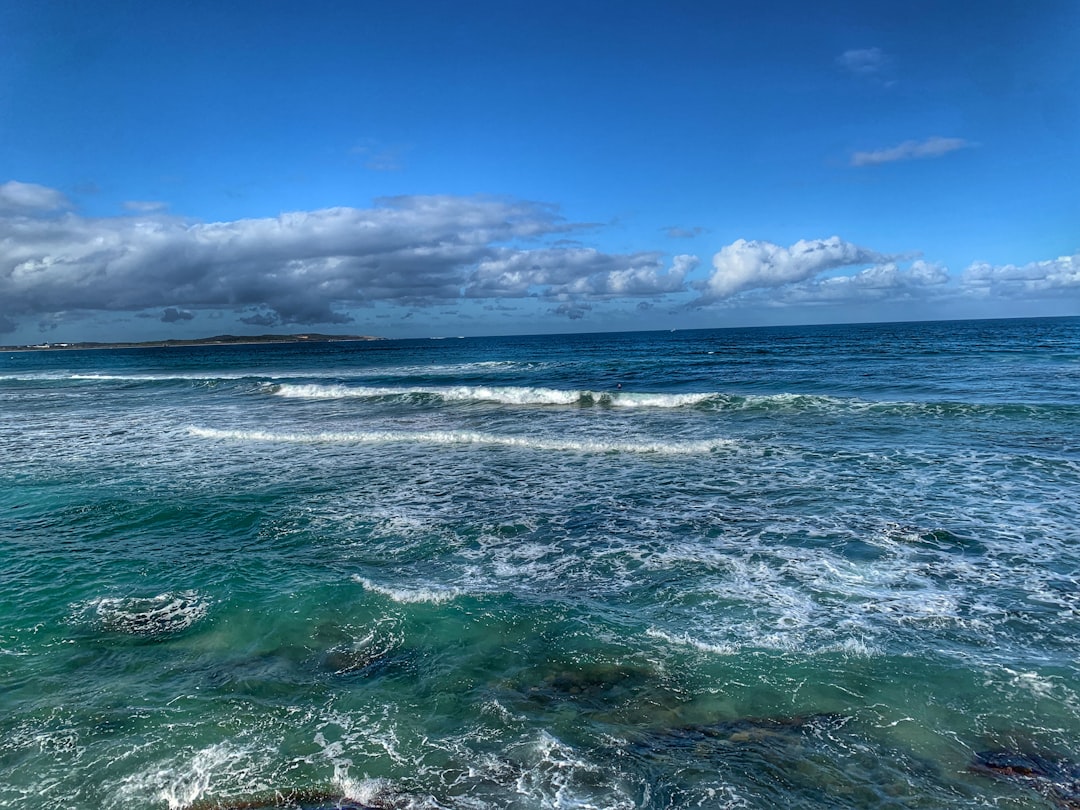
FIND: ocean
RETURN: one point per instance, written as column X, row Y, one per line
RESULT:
column 798, row 567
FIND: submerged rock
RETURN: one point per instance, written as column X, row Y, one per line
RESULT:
column 596, row 681
column 1052, row 776
column 344, row 654
column 311, row 799
column 743, row 731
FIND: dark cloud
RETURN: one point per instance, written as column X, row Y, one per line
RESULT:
column 261, row 319
column 172, row 315
column 305, row 267
column 573, row 311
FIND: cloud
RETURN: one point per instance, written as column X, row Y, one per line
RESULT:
column 172, row 315
column 379, row 157
column 29, row 198
column 864, row 61
column 748, row 265
column 262, row 319
column 573, row 311
column 675, row 232
column 145, row 206
column 306, row 267
column 582, row 272
column 1053, row 277
column 910, row 150
column 882, row 282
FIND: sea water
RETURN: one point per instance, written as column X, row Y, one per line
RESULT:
column 781, row 567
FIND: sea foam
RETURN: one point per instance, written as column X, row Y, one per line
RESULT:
column 463, row 437
column 163, row 614
column 434, row 594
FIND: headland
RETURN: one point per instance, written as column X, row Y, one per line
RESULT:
column 217, row 340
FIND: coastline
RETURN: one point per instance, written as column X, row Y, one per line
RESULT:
column 217, row 340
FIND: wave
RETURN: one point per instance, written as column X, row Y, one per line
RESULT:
column 68, row 377
column 464, row 437
column 508, row 395
column 434, row 594
column 505, row 395
column 710, row 401
column 685, row 640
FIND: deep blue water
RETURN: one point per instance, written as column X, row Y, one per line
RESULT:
column 801, row 567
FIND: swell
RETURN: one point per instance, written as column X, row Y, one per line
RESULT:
column 705, row 401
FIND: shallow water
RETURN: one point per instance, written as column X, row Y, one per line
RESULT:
column 804, row 567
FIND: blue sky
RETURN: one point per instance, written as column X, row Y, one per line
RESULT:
column 429, row 168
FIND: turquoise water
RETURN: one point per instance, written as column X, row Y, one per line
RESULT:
column 797, row 567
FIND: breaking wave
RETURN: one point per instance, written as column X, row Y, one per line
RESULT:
column 464, row 437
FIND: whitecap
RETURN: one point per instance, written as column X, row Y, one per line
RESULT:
column 687, row 641
column 164, row 614
column 434, row 594
column 464, row 437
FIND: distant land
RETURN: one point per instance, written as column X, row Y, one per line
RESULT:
column 217, row 340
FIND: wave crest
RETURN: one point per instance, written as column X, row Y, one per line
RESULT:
column 464, row 437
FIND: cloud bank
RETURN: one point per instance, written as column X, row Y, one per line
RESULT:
column 1045, row 279
column 304, row 267
column 320, row 267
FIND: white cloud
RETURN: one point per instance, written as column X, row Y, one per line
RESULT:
column 864, row 61
column 29, row 198
column 577, row 271
column 748, row 265
column 1042, row 279
column 910, row 150
column 882, row 282
column 145, row 206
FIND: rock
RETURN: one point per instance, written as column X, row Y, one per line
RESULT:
column 744, row 731
column 310, row 799
column 1052, row 776
column 598, row 682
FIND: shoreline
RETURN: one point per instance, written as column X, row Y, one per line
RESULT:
column 217, row 340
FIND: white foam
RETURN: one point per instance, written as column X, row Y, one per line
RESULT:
column 164, row 613
column 464, row 438
column 632, row 400
column 557, row 776
column 434, row 594
column 507, row 395
column 183, row 782
column 687, row 641
column 367, row 792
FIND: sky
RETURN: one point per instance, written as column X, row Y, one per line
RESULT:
column 426, row 168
